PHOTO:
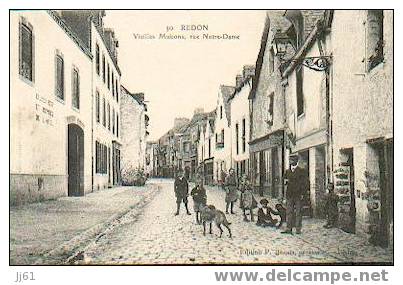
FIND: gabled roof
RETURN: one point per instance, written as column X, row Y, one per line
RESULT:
column 226, row 92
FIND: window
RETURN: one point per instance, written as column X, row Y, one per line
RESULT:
column 76, row 89
column 117, row 124
column 271, row 61
column 374, row 38
column 97, row 58
column 26, row 51
column 113, row 85
column 103, row 112
column 109, row 77
column 237, row 137
column 109, row 117
column 209, row 147
column 222, row 137
column 220, row 112
column 113, row 121
column 97, row 106
column 117, row 90
column 101, row 158
column 270, row 110
column 59, row 88
column 103, row 68
column 243, row 135
column 300, row 89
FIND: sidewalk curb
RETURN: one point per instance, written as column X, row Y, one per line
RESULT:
column 69, row 251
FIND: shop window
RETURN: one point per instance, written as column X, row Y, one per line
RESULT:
column 26, row 51
column 59, row 80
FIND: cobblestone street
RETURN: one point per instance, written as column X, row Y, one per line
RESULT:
column 156, row 236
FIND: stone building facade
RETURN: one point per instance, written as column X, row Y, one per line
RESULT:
column 50, row 109
column 134, row 122
column 362, row 120
column 267, row 107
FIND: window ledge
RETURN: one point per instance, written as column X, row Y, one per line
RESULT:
column 26, row 80
column 75, row 109
column 300, row 117
column 60, row 100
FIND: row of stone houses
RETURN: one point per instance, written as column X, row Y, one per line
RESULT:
column 67, row 131
column 322, row 90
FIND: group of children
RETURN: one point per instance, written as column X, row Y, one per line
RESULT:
column 248, row 204
column 266, row 216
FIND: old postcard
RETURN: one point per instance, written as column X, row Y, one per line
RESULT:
column 145, row 137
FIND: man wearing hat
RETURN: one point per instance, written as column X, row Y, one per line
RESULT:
column 181, row 188
column 297, row 184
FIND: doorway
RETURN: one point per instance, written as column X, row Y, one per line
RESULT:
column 350, row 221
column 385, row 152
column 75, row 150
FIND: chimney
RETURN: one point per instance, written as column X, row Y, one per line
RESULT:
column 248, row 71
column 140, row 96
column 198, row 111
column 238, row 81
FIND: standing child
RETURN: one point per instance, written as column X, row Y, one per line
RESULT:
column 199, row 196
column 332, row 210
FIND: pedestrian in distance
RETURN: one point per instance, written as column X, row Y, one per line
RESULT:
column 331, row 207
column 199, row 196
column 297, row 183
column 231, row 191
column 248, row 201
column 181, row 188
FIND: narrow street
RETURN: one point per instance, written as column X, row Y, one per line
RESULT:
column 155, row 236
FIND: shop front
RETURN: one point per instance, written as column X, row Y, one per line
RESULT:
column 266, row 164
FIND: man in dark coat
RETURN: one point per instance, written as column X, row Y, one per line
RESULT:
column 297, row 183
column 181, row 188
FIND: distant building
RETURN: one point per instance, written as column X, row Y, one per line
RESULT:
column 240, row 121
column 222, row 133
column 134, row 122
column 151, row 163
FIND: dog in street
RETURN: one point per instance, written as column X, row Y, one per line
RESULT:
column 210, row 214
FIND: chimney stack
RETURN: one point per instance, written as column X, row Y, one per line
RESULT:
column 198, row 111
column 238, row 81
column 248, row 71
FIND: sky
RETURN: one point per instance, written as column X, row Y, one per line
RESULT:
column 179, row 75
